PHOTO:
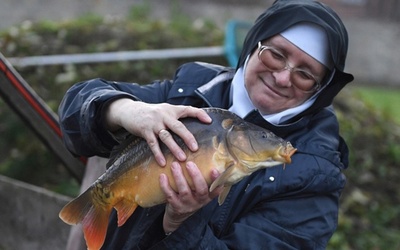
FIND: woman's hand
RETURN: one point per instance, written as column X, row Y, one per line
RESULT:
column 186, row 200
column 152, row 121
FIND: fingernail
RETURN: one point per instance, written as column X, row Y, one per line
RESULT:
column 189, row 165
column 181, row 156
column 215, row 173
column 175, row 166
column 161, row 161
column 194, row 146
column 207, row 118
column 162, row 177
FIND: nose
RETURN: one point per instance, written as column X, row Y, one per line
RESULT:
column 282, row 78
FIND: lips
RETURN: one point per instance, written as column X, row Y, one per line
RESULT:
column 271, row 89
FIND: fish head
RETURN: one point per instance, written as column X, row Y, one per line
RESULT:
column 256, row 147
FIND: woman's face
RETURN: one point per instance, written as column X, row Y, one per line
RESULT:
column 272, row 92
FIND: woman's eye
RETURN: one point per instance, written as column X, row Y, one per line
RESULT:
column 305, row 75
column 277, row 56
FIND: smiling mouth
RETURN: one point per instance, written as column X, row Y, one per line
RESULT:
column 272, row 89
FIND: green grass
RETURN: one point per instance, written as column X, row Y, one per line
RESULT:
column 385, row 99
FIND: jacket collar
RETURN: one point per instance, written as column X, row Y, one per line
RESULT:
column 211, row 91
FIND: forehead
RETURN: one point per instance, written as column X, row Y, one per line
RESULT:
column 279, row 42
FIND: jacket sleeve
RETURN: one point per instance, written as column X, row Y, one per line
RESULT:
column 291, row 208
column 81, row 112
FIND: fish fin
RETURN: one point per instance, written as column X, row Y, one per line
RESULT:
column 221, row 149
column 125, row 209
column 74, row 212
column 95, row 227
column 223, row 194
column 94, row 219
column 222, row 179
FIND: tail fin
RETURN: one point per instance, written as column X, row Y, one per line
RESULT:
column 94, row 218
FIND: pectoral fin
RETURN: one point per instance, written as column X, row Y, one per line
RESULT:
column 223, row 194
column 222, row 179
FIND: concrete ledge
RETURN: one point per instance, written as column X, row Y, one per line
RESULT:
column 29, row 217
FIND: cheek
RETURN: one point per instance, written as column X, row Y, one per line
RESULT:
column 253, row 69
column 300, row 97
column 249, row 80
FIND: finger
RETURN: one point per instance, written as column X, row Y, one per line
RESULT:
column 199, row 183
column 152, row 141
column 166, row 137
column 214, row 175
column 204, row 117
column 182, row 186
column 166, row 188
column 198, row 113
column 181, row 130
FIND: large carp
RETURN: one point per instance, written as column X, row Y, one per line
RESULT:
column 233, row 146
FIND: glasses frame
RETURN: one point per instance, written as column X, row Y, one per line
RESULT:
column 262, row 48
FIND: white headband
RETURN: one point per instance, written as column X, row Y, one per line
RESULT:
column 312, row 39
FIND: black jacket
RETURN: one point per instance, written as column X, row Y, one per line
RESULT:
column 291, row 208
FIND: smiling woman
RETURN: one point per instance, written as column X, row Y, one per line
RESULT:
column 273, row 85
column 275, row 61
column 95, row 114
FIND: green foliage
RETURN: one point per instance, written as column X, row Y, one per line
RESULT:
column 385, row 99
column 23, row 156
column 370, row 211
column 140, row 12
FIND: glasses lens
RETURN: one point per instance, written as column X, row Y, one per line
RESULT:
column 303, row 80
column 272, row 59
column 276, row 61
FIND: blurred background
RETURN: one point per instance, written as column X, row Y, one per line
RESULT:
column 35, row 183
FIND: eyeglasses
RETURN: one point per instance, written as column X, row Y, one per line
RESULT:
column 275, row 61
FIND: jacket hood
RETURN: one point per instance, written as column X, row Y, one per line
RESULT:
column 285, row 13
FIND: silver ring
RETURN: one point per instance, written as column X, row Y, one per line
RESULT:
column 162, row 131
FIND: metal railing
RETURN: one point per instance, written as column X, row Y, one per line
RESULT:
column 117, row 56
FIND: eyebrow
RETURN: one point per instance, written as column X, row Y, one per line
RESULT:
column 303, row 64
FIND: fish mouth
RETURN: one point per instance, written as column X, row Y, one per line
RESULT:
column 285, row 153
column 281, row 155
